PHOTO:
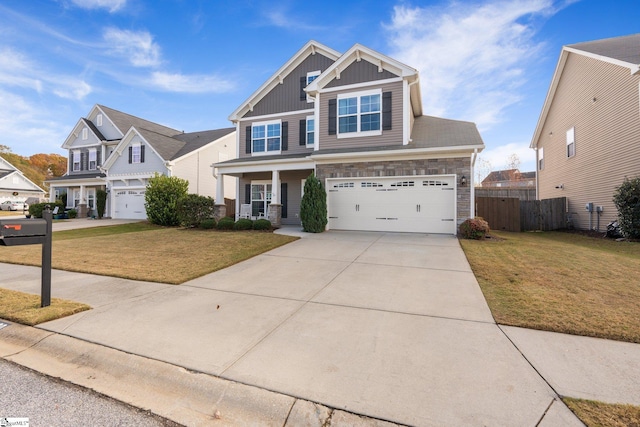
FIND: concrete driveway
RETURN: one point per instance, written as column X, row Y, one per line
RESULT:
column 393, row 326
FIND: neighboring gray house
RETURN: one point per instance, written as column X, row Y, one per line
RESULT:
column 356, row 121
column 587, row 139
column 15, row 186
column 117, row 152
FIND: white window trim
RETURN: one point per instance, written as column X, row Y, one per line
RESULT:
column 571, row 139
column 541, row 158
column 85, row 134
column 312, row 74
column 306, row 133
column 266, row 152
column 266, row 183
column 93, row 153
column 74, row 163
column 133, row 153
column 99, row 120
column 357, row 95
column 91, row 198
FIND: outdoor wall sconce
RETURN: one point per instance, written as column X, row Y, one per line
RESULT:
column 463, row 181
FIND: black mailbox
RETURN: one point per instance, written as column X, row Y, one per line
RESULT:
column 15, row 232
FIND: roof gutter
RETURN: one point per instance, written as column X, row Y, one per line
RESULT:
column 412, row 152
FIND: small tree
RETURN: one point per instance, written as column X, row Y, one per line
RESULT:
column 161, row 199
column 193, row 209
column 627, row 201
column 101, row 202
column 313, row 208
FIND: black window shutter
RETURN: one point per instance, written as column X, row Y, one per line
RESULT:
column 83, row 158
column 333, row 114
column 130, row 154
column 247, row 193
column 283, row 199
column 303, row 132
column 386, row 111
column 303, row 84
column 142, row 154
column 285, row 136
column 248, row 140
column 98, row 158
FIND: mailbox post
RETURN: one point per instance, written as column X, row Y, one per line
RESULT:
column 17, row 232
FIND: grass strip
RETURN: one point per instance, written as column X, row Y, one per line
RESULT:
column 25, row 308
column 600, row 414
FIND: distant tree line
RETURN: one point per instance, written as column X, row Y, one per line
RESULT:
column 38, row 167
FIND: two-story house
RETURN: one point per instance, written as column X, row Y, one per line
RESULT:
column 587, row 139
column 356, row 121
column 509, row 178
column 118, row 152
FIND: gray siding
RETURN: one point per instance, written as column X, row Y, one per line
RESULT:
column 84, row 160
column 294, row 134
column 607, row 136
column 286, row 96
column 152, row 163
column 108, row 130
column 360, row 72
column 388, row 137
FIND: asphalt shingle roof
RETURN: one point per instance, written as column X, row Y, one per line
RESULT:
column 124, row 122
column 625, row 48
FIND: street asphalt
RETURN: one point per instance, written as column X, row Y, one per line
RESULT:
column 358, row 328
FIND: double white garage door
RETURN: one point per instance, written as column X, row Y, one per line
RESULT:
column 129, row 204
column 424, row 204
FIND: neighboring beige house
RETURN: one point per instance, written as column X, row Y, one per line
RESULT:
column 588, row 135
column 510, row 178
column 118, row 152
column 355, row 119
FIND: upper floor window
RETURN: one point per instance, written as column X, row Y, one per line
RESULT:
column 93, row 159
column 135, row 153
column 85, row 134
column 99, row 119
column 266, row 137
column 359, row 114
column 540, row 158
column 310, row 134
column 571, row 142
column 311, row 76
column 76, row 161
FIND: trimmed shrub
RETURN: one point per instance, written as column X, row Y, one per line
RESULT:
column 35, row 210
column 193, row 209
column 225, row 223
column 208, row 223
column 101, row 202
column 161, row 199
column 72, row 213
column 262, row 224
column 474, row 228
column 243, row 224
column 313, row 207
column 627, row 201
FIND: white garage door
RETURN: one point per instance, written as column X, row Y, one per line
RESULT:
column 129, row 204
column 424, row 204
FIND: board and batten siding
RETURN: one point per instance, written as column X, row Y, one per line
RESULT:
column 293, row 143
column 601, row 101
column 388, row 137
column 360, row 72
column 286, row 96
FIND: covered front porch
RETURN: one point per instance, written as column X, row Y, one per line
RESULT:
column 80, row 192
column 265, row 190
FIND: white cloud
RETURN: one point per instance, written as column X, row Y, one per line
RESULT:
column 112, row 5
column 472, row 58
column 190, row 83
column 137, row 46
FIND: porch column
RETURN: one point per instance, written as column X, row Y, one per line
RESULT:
column 274, row 213
column 220, row 208
column 82, row 205
column 52, row 193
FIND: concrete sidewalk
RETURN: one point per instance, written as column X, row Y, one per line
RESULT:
column 391, row 326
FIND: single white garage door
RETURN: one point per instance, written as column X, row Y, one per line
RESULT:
column 129, row 204
column 422, row 204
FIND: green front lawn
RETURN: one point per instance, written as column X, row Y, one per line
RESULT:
column 141, row 251
column 561, row 282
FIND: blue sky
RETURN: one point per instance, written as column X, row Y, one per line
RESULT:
column 189, row 63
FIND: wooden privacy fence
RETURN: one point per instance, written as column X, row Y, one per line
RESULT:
column 511, row 214
column 231, row 207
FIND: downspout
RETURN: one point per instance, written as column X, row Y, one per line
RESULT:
column 472, row 207
column 407, row 126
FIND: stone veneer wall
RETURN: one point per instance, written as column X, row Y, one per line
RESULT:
column 459, row 166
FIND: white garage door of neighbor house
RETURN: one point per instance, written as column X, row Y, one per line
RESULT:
column 422, row 204
column 129, row 204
